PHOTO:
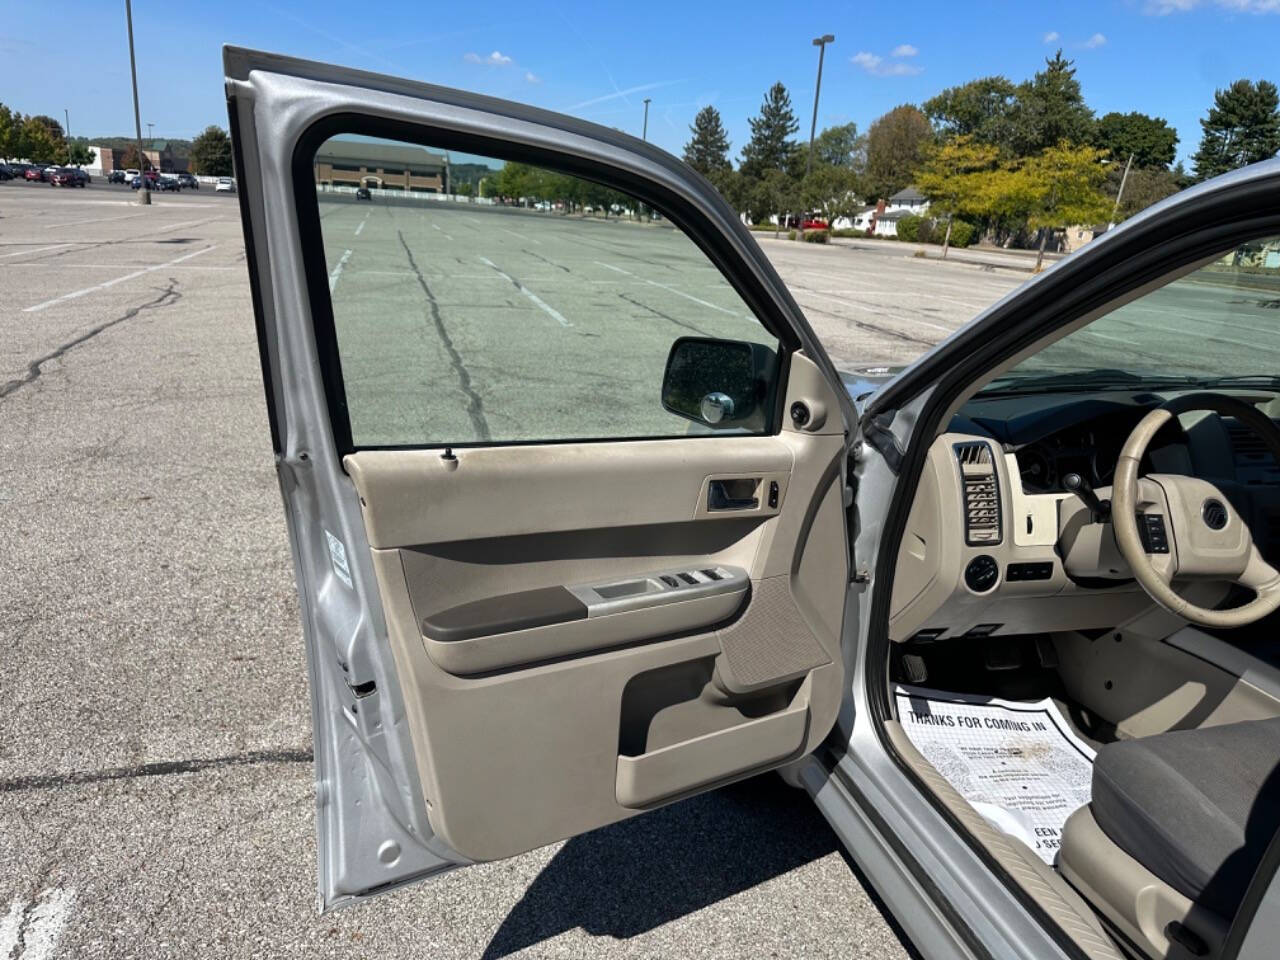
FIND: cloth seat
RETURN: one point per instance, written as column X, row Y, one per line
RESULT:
column 1195, row 807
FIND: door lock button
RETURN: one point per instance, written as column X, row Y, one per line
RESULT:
column 773, row 494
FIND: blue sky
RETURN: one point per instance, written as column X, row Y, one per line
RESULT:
column 600, row 60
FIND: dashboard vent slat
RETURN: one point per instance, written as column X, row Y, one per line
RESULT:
column 981, row 490
column 1246, row 443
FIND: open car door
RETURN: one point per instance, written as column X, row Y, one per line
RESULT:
column 564, row 469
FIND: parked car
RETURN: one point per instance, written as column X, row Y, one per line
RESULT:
column 19, row 170
column 986, row 611
column 130, row 173
column 812, row 222
column 118, row 176
column 188, row 181
column 34, row 173
column 65, row 177
column 83, row 174
column 169, row 184
column 5, row 172
column 137, row 182
column 362, row 193
column 225, row 185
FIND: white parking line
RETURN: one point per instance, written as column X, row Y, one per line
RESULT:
column 533, row 297
column 37, row 928
column 56, row 246
column 446, row 236
column 362, row 223
column 521, row 236
column 111, row 283
column 337, row 270
column 669, row 289
column 184, row 223
column 76, row 223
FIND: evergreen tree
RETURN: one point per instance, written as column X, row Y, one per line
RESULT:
column 1051, row 109
column 1243, row 127
column 771, row 146
column 708, row 148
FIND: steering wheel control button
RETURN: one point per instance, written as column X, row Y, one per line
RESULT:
column 1214, row 513
column 1019, row 572
column 1152, row 533
column 981, row 574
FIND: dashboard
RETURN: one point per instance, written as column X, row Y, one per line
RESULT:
column 995, row 544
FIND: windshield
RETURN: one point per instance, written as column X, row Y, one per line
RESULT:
column 1220, row 322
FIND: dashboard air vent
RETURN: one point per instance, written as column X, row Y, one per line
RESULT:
column 981, row 493
column 1246, row 443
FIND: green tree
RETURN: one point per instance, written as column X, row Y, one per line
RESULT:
column 1051, row 109
column 1149, row 140
column 982, row 109
column 708, row 148
column 211, row 153
column 896, row 144
column 772, row 194
column 52, row 126
column 1056, row 188
column 959, row 177
column 37, row 144
column 1243, row 127
column 10, row 132
column 1145, row 186
column 78, row 154
column 771, row 146
column 840, row 146
column 829, row 189
column 464, row 189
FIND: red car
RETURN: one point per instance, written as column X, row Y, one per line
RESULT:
column 34, row 173
column 66, row 177
column 812, row 223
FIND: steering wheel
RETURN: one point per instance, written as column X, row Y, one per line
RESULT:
column 1206, row 538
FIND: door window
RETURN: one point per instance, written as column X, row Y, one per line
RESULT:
column 482, row 301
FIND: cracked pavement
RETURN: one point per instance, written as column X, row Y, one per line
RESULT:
column 155, row 776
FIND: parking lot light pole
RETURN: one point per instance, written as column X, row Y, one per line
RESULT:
column 821, row 43
column 144, row 193
column 645, row 133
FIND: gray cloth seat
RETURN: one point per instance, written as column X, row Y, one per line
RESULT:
column 1195, row 807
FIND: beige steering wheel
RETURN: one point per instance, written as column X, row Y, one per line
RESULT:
column 1206, row 538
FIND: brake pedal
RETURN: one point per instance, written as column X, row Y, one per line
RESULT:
column 913, row 667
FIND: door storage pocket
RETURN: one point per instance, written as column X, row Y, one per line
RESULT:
column 679, row 732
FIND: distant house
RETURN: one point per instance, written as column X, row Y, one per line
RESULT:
column 908, row 202
column 860, row 219
column 386, row 166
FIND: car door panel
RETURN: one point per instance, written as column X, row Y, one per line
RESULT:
column 597, row 717
column 464, row 709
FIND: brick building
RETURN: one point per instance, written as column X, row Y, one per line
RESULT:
column 399, row 166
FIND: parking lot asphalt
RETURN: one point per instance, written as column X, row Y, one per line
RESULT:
column 155, row 771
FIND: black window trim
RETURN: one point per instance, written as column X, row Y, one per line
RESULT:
column 686, row 216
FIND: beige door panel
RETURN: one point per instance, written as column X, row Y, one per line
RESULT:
column 526, row 736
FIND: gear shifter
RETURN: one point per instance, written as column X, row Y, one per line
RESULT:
column 1100, row 509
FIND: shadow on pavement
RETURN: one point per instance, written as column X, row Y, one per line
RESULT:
column 628, row 878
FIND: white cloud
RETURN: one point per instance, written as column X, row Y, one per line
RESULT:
column 904, row 50
column 1052, row 36
column 1096, row 41
column 531, row 77
column 877, row 66
column 1160, row 8
column 494, row 59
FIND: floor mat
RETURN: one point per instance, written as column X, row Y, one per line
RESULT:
column 1017, row 762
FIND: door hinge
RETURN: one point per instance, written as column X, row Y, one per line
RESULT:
column 861, row 575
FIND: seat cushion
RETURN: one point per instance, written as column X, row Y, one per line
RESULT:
column 1195, row 807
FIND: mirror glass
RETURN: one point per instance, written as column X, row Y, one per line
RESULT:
column 711, row 381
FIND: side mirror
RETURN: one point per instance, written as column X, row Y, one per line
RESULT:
column 721, row 384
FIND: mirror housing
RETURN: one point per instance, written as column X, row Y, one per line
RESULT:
column 721, row 384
